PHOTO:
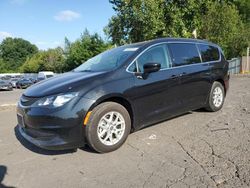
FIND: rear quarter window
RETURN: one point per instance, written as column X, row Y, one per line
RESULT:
column 184, row 54
column 208, row 53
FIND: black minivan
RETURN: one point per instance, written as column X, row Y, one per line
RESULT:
column 123, row 90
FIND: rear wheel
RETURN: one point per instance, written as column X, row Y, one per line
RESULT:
column 216, row 97
column 108, row 127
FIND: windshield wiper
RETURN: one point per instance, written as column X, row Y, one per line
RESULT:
column 86, row 71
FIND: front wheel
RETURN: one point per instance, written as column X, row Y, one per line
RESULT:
column 108, row 127
column 216, row 97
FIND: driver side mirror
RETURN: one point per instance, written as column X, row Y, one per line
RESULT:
column 151, row 67
column 147, row 69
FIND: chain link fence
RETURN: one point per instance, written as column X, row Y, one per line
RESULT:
column 234, row 66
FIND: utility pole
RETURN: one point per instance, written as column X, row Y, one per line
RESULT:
column 194, row 33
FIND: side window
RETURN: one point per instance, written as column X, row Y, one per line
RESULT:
column 157, row 54
column 208, row 53
column 132, row 68
column 184, row 54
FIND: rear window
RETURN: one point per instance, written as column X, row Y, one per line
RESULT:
column 184, row 54
column 208, row 53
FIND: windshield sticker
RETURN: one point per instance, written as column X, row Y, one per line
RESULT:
column 130, row 49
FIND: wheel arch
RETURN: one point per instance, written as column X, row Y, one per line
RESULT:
column 120, row 100
column 222, row 83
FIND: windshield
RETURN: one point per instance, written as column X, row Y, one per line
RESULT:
column 49, row 76
column 40, row 78
column 107, row 60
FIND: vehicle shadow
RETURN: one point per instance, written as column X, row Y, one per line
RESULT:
column 86, row 148
column 3, row 172
column 201, row 110
column 36, row 149
column 165, row 120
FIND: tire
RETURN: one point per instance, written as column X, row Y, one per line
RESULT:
column 96, row 134
column 217, row 91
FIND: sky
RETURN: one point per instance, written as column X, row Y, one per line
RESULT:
column 46, row 23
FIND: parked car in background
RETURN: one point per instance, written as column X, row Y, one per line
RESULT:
column 33, row 80
column 44, row 75
column 122, row 90
column 5, row 85
column 13, row 82
column 23, row 83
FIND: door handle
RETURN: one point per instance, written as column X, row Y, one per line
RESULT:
column 174, row 76
column 182, row 74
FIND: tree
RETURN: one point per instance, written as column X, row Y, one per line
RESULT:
column 50, row 60
column 244, row 9
column 83, row 49
column 215, row 20
column 2, row 66
column 140, row 20
column 15, row 51
column 67, row 45
column 136, row 21
column 222, row 25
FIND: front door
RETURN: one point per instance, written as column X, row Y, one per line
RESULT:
column 155, row 97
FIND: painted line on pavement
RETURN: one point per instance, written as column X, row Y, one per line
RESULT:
column 6, row 105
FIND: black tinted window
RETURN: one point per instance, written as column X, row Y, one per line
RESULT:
column 184, row 54
column 108, row 60
column 208, row 53
column 157, row 54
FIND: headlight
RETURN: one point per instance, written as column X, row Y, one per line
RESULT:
column 56, row 100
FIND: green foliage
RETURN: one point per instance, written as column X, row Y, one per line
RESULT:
column 3, row 68
column 224, row 22
column 140, row 20
column 222, row 25
column 15, row 51
column 57, row 60
column 50, row 60
column 83, row 49
column 136, row 21
column 244, row 9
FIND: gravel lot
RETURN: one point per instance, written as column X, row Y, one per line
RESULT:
column 198, row 149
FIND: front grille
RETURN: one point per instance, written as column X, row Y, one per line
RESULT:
column 27, row 101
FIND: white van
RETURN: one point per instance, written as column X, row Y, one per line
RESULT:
column 44, row 75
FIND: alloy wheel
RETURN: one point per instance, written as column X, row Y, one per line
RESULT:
column 111, row 128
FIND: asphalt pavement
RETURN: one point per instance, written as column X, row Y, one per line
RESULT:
column 8, row 98
column 198, row 149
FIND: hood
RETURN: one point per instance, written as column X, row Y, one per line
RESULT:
column 4, row 84
column 66, row 82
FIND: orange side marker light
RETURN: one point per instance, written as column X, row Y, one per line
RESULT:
column 86, row 119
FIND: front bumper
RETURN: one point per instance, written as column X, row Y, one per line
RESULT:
column 24, row 86
column 54, row 129
column 54, row 142
column 5, row 88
